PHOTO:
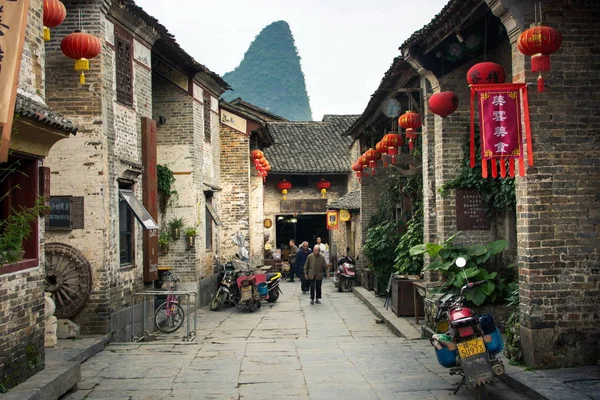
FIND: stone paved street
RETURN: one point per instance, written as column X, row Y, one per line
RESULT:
column 291, row 350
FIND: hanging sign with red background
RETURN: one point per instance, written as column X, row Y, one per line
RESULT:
column 501, row 132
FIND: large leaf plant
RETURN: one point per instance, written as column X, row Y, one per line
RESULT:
column 443, row 259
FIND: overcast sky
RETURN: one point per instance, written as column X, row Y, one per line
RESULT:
column 345, row 45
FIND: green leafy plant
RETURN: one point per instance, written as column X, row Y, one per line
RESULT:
column 165, row 182
column 406, row 263
column 164, row 238
column 176, row 223
column 16, row 228
column 380, row 246
column 513, row 328
column 189, row 232
column 443, row 257
column 498, row 193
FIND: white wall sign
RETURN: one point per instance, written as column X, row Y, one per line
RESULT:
column 109, row 32
column 178, row 78
column 141, row 53
column 198, row 93
column 233, row 121
column 214, row 104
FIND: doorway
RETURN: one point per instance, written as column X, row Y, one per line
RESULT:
column 300, row 228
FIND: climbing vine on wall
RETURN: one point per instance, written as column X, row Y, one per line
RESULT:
column 498, row 193
column 165, row 182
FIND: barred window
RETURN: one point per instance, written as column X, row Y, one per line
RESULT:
column 207, row 119
column 124, row 50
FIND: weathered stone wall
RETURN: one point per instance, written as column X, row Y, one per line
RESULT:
column 106, row 148
column 257, row 215
column 235, row 181
column 558, row 214
column 33, row 73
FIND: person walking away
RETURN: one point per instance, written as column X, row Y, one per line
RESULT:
column 314, row 270
column 301, row 257
column 292, row 259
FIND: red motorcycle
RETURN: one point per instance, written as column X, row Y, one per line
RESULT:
column 253, row 288
column 345, row 274
column 467, row 344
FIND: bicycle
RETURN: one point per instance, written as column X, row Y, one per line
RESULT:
column 169, row 315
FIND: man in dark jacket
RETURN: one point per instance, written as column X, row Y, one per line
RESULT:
column 314, row 271
column 301, row 257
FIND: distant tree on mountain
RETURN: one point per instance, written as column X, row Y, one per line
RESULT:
column 270, row 75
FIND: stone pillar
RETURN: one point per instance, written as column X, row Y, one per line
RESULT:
column 558, row 218
column 50, row 339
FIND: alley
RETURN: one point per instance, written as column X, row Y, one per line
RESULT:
column 291, row 350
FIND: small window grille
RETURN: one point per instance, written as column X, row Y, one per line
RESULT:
column 207, row 116
column 124, row 50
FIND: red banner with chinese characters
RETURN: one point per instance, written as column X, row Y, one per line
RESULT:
column 501, row 133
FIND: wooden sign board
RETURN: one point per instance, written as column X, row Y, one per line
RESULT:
column 304, row 206
column 471, row 211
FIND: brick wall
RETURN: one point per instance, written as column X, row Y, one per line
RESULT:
column 22, row 293
column 178, row 148
column 107, row 147
column 235, row 181
column 557, row 202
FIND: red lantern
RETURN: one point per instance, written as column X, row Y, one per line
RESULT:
column 539, row 42
column 54, row 15
column 393, row 141
column 372, row 156
column 323, row 185
column 256, row 154
column 357, row 167
column 486, row 73
column 81, row 46
column 410, row 121
column 382, row 148
column 443, row 103
column 284, row 186
column 263, row 161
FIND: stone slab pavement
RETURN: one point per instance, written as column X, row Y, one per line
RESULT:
column 287, row 350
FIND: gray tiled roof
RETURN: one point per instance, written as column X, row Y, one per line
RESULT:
column 29, row 108
column 317, row 147
column 349, row 201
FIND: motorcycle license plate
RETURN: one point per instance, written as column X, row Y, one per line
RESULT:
column 471, row 348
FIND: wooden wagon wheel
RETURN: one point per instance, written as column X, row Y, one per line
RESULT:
column 68, row 278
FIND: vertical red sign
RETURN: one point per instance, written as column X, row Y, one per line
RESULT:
column 150, row 197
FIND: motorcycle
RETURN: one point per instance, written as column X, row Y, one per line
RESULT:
column 227, row 292
column 467, row 344
column 273, row 280
column 345, row 274
column 257, row 287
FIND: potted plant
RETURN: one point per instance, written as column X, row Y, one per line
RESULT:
column 190, row 235
column 175, row 226
column 163, row 242
column 15, row 229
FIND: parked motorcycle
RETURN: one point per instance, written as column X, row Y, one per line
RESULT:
column 227, row 292
column 345, row 274
column 250, row 290
column 273, row 280
column 467, row 344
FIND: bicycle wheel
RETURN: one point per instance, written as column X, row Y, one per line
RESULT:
column 168, row 321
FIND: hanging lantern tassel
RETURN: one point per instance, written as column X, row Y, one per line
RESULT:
column 83, row 64
column 284, row 192
column 54, row 15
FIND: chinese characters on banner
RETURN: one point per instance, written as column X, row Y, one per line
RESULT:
column 13, row 21
column 501, row 134
column 332, row 219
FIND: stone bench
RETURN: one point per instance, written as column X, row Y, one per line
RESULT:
column 49, row 384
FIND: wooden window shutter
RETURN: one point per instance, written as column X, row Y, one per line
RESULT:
column 124, row 68
column 207, row 132
column 78, row 213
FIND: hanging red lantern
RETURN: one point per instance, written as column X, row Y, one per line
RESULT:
column 410, row 121
column 323, row 185
column 284, row 186
column 54, row 15
column 393, row 141
column 263, row 161
column 372, row 156
column 443, row 103
column 382, row 149
column 256, row 154
column 81, row 46
column 486, row 73
column 362, row 160
column 358, row 168
column 539, row 42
